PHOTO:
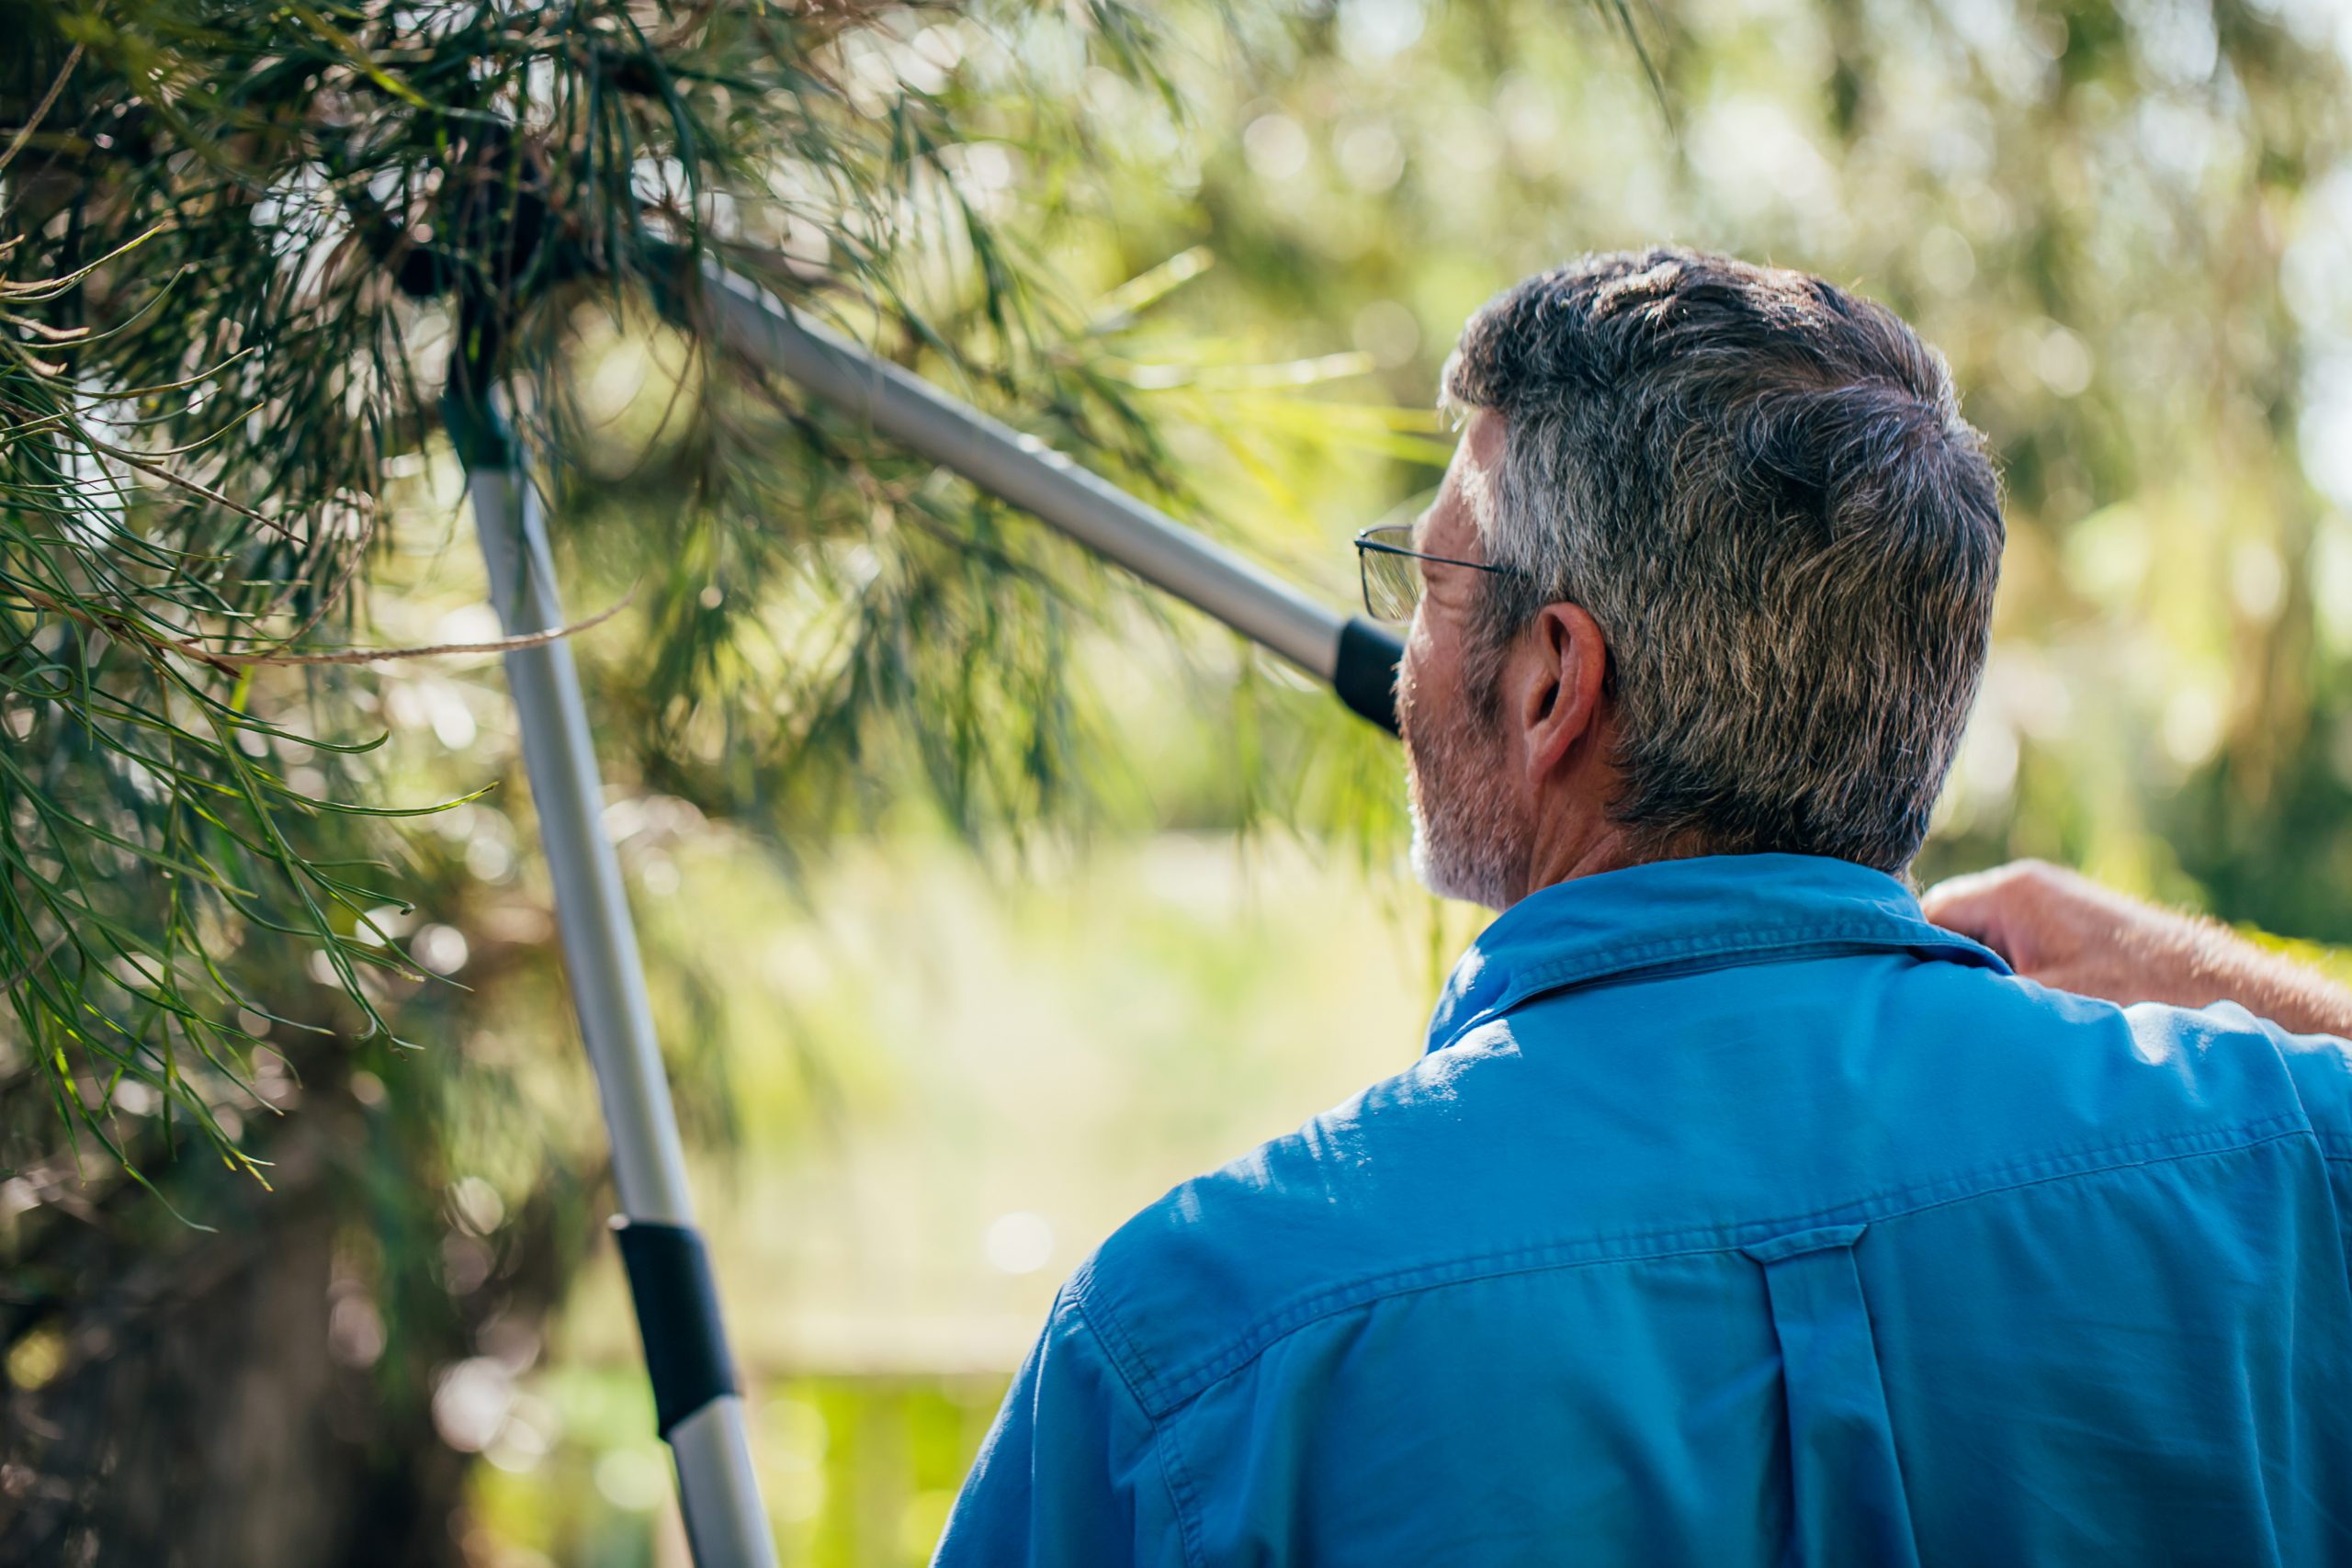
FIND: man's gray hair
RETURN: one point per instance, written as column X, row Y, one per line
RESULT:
column 1760, row 488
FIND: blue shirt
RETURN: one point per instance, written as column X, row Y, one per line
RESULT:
column 1736, row 1216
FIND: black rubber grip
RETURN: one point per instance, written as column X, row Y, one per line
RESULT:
column 677, row 1313
column 1366, row 677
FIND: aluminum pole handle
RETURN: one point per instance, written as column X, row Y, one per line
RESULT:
column 697, row 1401
column 1357, row 657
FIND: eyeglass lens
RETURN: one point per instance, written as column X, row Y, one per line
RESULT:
column 1392, row 583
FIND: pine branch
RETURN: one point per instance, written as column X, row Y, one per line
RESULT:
column 301, row 215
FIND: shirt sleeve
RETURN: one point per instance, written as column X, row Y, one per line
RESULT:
column 1070, row 1474
column 2319, row 1066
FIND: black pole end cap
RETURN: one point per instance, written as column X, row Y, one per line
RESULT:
column 1365, row 677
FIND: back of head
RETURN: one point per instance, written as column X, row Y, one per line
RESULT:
column 1761, row 487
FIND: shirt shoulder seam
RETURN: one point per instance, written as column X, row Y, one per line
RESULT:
column 1103, row 1325
column 1161, row 1396
column 1181, row 1502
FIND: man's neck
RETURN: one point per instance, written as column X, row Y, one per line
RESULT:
column 1603, row 847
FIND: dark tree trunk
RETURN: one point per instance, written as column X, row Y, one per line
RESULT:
column 201, row 1400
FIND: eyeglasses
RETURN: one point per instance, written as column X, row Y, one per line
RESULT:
column 1392, row 573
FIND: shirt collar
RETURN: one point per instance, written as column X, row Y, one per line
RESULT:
column 1704, row 912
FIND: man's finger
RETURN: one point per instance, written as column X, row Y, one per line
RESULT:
column 1964, row 903
column 1981, row 906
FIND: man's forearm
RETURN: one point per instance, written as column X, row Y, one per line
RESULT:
column 2069, row 932
column 2213, row 964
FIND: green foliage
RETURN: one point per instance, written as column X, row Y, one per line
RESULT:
column 153, row 822
column 246, row 248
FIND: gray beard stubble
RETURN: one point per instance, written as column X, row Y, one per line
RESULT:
column 1468, row 841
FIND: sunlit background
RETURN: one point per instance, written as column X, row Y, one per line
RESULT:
column 925, row 1070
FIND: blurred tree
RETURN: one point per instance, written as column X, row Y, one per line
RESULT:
column 2127, row 225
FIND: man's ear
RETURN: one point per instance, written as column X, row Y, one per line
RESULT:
column 1562, row 663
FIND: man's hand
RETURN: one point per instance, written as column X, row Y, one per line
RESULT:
column 2061, row 928
column 2068, row 932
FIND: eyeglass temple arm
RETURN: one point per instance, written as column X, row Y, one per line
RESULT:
column 1357, row 657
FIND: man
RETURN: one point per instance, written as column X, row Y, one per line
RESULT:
column 1737, row 1214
